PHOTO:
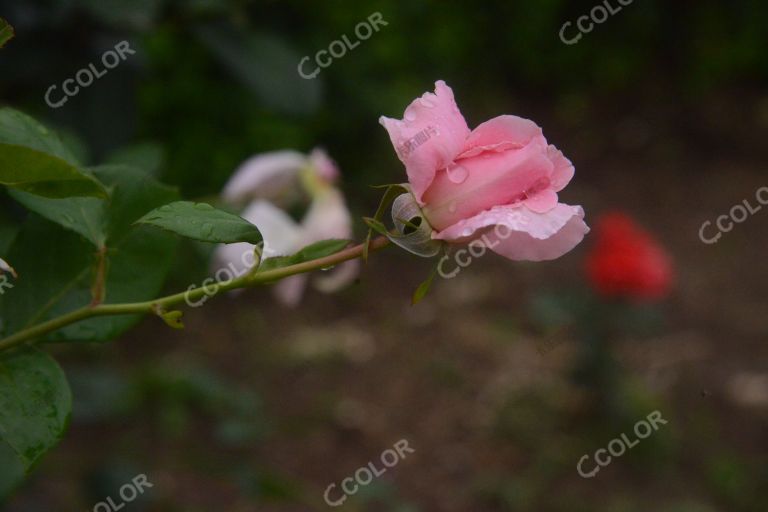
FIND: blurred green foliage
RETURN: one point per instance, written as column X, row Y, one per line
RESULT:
column 213, row 81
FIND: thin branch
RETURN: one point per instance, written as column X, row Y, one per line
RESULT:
column 155, row 306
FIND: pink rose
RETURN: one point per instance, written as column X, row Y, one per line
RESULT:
column 496, row 184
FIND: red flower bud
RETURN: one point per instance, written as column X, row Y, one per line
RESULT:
column 627, row 262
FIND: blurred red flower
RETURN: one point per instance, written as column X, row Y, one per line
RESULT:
column 626, row 261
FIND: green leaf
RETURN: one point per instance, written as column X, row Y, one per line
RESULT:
column 35, row 404
column 147, row 157
column 423, row 288
column 311, row 252
column 391, row 192
column 6, row 32
column 83, row 215
column 19, row 129
column 44, row 175
column 320, row 249
column 94, row 218
column 52, row 262
column 203, row 222
column 137, row 268
column 59, row 265
column 8, row 231
column 12, row 471
column 134, row 193
column 35, row 160
column 377, row 226
column 173, row 318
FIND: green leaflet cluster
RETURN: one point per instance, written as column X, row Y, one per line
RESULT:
column 88, row 236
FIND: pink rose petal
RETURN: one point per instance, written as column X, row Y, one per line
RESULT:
column 564, row 169
column 518, row 233
column 492, row 179
column 542, row 201
column 430, row 135
column 500, row 134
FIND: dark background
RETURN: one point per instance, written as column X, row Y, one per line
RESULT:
column 664, row 111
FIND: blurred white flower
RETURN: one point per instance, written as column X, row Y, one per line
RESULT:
column 5, row 267
column 285, row 176
column 267, row 176
column 323, row 165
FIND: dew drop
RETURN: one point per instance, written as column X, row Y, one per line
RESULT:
column 467, row 232
column 166, row 208
column 452, row 207
column 207, row 229
column 457, row 173
column 410, row 115
column 426, row 103
column 203, row 206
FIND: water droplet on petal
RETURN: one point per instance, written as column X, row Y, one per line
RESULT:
column 457, row 173
column 410, row 115
column 452, row 207
column 467, row 232
column 426, row 103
